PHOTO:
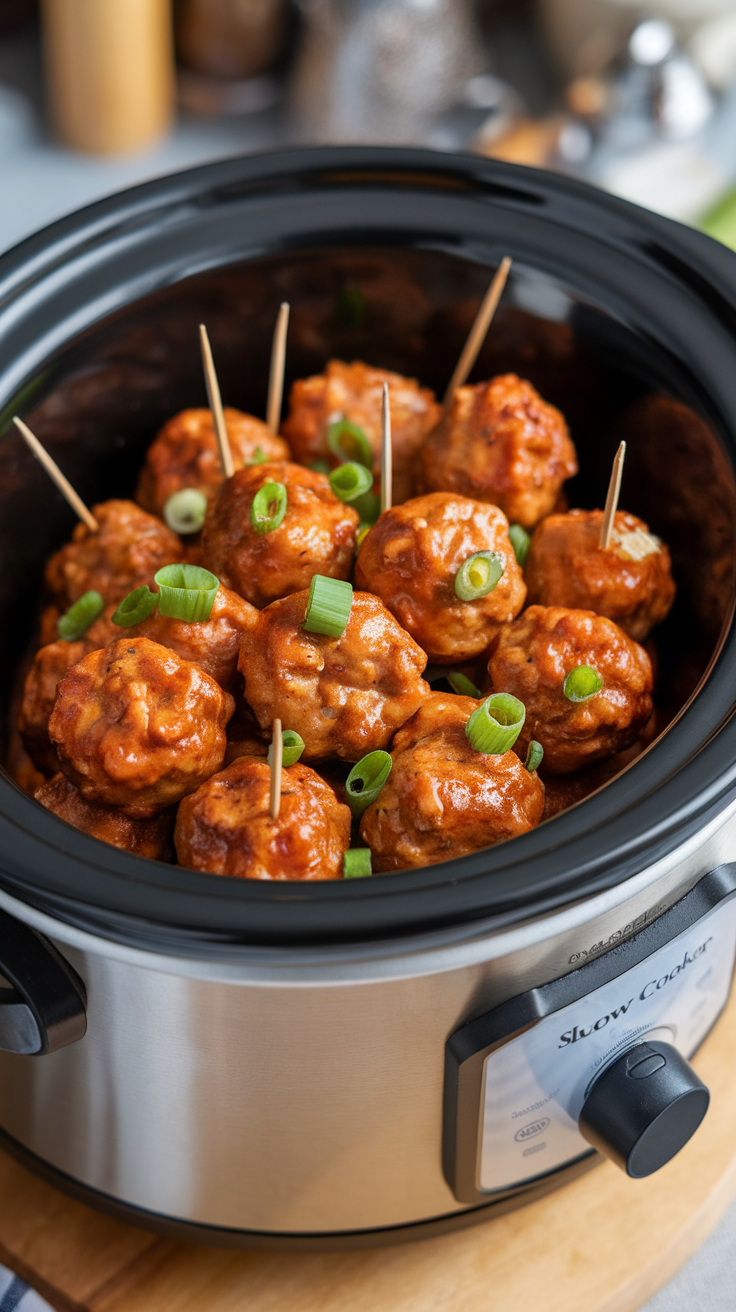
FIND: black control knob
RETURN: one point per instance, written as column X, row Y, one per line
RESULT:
column 644, row 1107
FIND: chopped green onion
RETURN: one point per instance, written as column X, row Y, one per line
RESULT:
column 349, row 442
column 479, row 574
column 268, row 507
column 136, row 607
column 494, row 727
column 292, row 748
column 582, row 683
column 363, row 529
column 186, row 592
column 328, row 606
column 462, row 685
column 368, row 507
column 320, row 467
column 258, row 457
column 520, row 541
column 78, row 618
column 351, row 481
column 351, row 307
column 365, row 781
column 534, row 755
column 357, row 863
column 184, row 511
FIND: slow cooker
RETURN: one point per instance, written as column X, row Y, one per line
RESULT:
column 377, row 1059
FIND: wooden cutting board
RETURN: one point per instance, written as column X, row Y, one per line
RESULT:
column 602, row 1244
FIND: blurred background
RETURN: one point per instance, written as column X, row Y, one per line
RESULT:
column 637, row 96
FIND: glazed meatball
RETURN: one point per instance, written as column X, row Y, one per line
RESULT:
column 138, row 727
column 150, row 838
column 354, row 392
column 213, row 644
column 443, row 798
column 500, row 442
column 316, row 535
column 185, row 454
column 410, row 559
column 630, row 582
column 226, row 828
column 531, row 659
column 129, row 547
column 345, row 696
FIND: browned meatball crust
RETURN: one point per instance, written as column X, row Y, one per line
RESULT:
column 345, row 696
column 316, row 535
column 185, row 454
column 128, row 549
column 500, row 442
column 225, row 828
column 410, row 558
column 150, row 838
column 531, row 659
column 444, row 799
column 354, row 392
column 630, row 582
column 138, row 727
column 213, row 644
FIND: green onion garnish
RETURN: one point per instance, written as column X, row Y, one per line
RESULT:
column 496, row 725
column 268, row 507
column 184, row 511
column 351, row 481
column 520, row 541
column 349, row 442
column 368, row 507
column 320, row 467
column 357, row 863
column 365, row 781
column 581, row 683
column 462, row 685
column 292, row 745
column 136, row 607
column 328, row 606
column 78, row 618
column 479, row 574
column 534, row 755
column 360, row 535
column 186, row 592
column 259, row 457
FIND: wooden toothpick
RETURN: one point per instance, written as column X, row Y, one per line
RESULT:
column 213, row 395
column 386, row 452
column 278, row 363
column 277, row 761
column 478, row 332
column 614, row 488
column 52, row 469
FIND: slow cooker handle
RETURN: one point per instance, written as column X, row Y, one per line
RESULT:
column 45, row 1008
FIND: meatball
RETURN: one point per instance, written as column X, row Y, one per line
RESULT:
column 138, row 727
column 354, row 392
column 531, row 659
column 151, row 838
column 316, row 535
column 128, row 548
column 345, row 696
column 500, row 442
column 630, row 582
column 226, row 828
column 443, row 798
column 410, row 559
column 213, row 644
column 185, row 454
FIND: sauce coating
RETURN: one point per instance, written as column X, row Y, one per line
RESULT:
column 150, row 838
column 213, row 644
column 128, row 549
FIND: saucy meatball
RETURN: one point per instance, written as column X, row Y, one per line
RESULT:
column 315, row 536
column 443, row 798
column 128, row 548
column 531, row 659
column 410, row 559
column 354, row 392
column 225, row 828
column 213, row 644
column 150, row 838
column 345, row 696
column 138, row 727
column 185, row 454
column 500, row 442
column 630, row 582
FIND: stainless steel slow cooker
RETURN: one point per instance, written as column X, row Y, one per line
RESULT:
column 375, row 1059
